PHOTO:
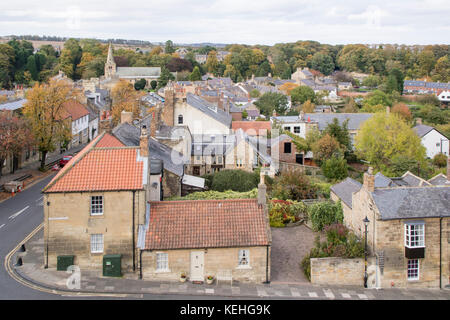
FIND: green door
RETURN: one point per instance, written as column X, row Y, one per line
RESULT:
column 112, row 265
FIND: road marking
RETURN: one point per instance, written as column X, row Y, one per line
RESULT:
column 362, row 296
column 17, row 213
column 346, row 295
column 2, row 226
column 313, row 294
column 328, row 294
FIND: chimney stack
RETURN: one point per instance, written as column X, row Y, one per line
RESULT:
column 369, row 180
column 126, row 116
column 262, row 190
column 143, row 142
column 105, row 124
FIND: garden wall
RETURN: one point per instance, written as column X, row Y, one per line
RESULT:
column 337, row 271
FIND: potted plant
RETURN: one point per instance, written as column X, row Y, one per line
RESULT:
column 183, row 277
column 209, row 279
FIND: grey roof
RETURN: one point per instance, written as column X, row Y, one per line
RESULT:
column 422, row 129
column 323, row 119
column 381, row 181
column 153, row 72
column 404, row 203
column 156, row 166
column 345, row 189
column 439, row 180
column 413, row 180
column 426, row 84
column 129, row 135
column 209, row 109
column 13, row 105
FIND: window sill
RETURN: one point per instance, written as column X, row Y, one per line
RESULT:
column 163, row 271
column 243, row 267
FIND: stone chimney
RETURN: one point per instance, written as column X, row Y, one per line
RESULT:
column 154, row 124
column 143, row 142
column 169, row 106
column 418, row 121
column 126, row 116
column 262, row 191
column 369, row 180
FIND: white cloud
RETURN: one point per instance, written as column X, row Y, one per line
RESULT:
column 234, row 21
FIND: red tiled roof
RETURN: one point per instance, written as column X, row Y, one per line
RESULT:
column 100, row 169
column 74, row 109
column 206, row 224
column 252, row 128
column 109, row 141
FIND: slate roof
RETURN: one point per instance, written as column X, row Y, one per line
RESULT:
column 439, row 180
column 420, row 202
column 206, row 224
column 100, row 169
column 133, row 72
column 13, row 105
column 209, row 109
column 422, row 129
column 426, row 84
column 345, row 189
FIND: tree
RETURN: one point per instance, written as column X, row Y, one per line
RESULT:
column 70, row 58
column 335, row 168
column 169, row 47
column 212, row 64
column 301, row 94
column 263, row 69
column 15, row 136
column 377, row 97
column 270, row 101
column 426, row 61
column 385, row 136
column 372, row 81
column 255, row 93
column 195, row 75
column 440, row 160
column 308, row 107
column 153, row 84
column 178, row 65
column 31, row 66
column 165, row 76
column 140, row 84
column 293, row 185
column 45, row 112
column 287, row 87
column 350, row 106
column 442, row 69
column 402, row 110
column 340, row 133
column 322, row 62
column 7, row 60
column 325, row 148
column 124, row 98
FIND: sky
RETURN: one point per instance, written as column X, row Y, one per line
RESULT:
column 233, row 21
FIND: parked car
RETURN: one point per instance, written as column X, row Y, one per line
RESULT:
column 64, row 160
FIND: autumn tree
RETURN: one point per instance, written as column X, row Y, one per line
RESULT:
column 70, row 58
column 15, row 136
column 45, row 112
column 384, row 137
column 325, row 148
column 124, row 98
column 212, row 64
column 308, row 107
column 402, row 110
column 350, row 106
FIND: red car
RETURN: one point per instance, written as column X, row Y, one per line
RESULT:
column 64, row 160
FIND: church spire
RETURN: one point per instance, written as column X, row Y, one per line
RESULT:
column 110, row 54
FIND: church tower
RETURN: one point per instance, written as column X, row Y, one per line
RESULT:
column 110, row 65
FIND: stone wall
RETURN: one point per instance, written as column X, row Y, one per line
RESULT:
column 337, row 271
column 171, row 184
column 68, row 226
column 215, row 259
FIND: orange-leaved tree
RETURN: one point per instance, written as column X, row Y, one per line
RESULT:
column 125, row 98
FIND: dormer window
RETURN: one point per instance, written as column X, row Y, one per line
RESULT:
column 180, row 119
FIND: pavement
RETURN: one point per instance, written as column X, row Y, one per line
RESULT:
column 90, row 282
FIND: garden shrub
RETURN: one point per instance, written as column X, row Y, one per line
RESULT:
column 282, row 212
column 335, row 168
column 216, row 195
column 293, row 186
column 325, row 213
column 341, row 242
column 236, row 180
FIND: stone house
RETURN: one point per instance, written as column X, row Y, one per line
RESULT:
column 207, row 238
column 94, row 205
column 409, row 229
column 433, row 141
column 78, row 115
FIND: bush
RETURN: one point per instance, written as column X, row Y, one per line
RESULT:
column 236, row 180
column 335, row 168
column 216, row 195
column 440, row 160
column 282, row 212
column 293, row 186
column 325, row 213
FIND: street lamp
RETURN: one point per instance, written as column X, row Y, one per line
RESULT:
column 366, row 223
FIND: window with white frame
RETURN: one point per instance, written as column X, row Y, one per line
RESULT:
column 413, row 269
column 162, row 261
column 96, row 243
column 415, row 235
column 244, row 259
column 96, row 205
column 296, row 129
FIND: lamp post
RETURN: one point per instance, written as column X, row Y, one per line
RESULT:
column 366, row 223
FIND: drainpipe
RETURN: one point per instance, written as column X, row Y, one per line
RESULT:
column 140, row 264
column 267, row 265
column 440, row 253
column 134, row 249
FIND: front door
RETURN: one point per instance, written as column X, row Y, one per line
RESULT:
column 197, row 262
column 196, row 171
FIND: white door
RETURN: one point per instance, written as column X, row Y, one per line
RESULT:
column 197, row 261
